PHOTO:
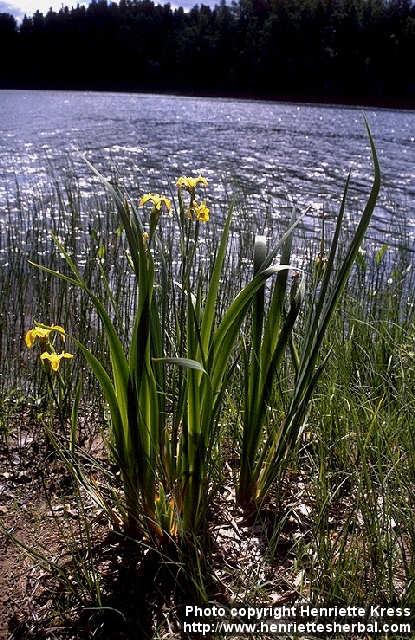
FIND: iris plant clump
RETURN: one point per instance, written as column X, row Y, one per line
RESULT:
column 166, row 385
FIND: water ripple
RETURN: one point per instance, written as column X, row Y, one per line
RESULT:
column 270, row 149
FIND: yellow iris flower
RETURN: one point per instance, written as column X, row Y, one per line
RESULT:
column 55, row 358
column 157, row 201
column 200, row 211
column 41, row 333
column 190, row 184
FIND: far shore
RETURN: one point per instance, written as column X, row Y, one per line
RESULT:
column 406, row 103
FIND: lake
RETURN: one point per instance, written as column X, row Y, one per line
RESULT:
column 265, row 150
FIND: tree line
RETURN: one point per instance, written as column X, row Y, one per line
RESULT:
column 344, row 50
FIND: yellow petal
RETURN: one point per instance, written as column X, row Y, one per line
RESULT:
column 37, row 332
column 29, row 339
column 58, row 328
column 49, row 356
column 181, row 182
column 55, row 358
column 201, row 212
column 190, row 184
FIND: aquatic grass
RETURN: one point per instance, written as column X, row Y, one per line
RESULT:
column 28, row 294
column 359, row 438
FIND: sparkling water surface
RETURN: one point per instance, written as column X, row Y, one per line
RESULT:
column 266, row 150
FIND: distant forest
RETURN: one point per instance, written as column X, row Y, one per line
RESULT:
column 335, row 50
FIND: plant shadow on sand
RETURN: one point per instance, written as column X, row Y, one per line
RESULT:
column 143, row 591
column 52, row 569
